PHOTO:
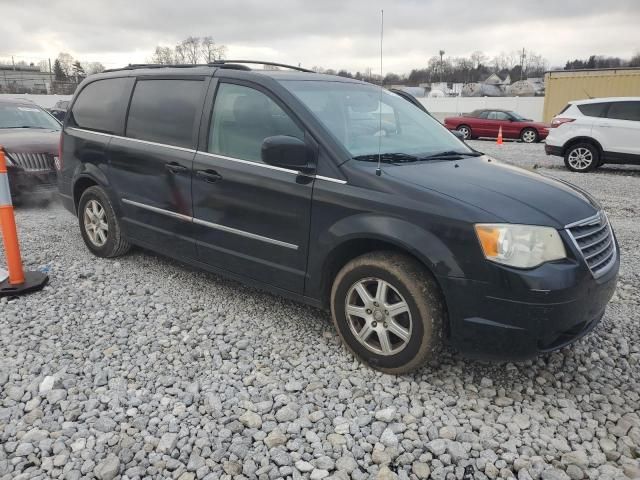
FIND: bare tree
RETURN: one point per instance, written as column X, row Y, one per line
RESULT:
column 163, row 55
column 91, row 68
column 191, row 49
column 180, row 56
column 210, row 51
column 478, row 58
column 66, row 63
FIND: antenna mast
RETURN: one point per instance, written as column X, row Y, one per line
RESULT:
column 378, row 170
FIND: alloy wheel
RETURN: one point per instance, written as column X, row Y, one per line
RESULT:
column 95, row 223
column 580, row 158
column 529, row 136
column 465, row 132
column 378, row 315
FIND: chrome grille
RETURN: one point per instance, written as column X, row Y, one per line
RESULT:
column 33, row 161
column 594, row 238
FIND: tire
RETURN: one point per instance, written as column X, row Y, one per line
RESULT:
column 95, row 204
column 582, row 157
column 529, row 135
column 465, row 130
column 421, row 316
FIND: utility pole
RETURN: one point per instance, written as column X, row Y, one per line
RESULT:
column 50, row 77
column 442, row 52
column 13, row 63
column 522, row 57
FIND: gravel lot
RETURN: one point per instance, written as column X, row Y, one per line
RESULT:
column 144, row 368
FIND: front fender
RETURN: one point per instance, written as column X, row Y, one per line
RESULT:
column 413, row 239
column 410, row 237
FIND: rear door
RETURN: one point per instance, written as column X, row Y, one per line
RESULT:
column 151, row 165
column 250, row 218
column 621, row 128
column 479, row 123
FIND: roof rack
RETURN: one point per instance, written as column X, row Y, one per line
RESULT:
column 230, row 64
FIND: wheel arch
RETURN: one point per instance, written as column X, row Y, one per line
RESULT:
column 87, row 175
column 523, row 129
column 581, row 139
column 355, row 247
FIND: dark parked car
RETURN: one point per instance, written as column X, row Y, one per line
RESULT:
column 59, row 110
column 271, row 177
column 30, row 138
column 487, row 123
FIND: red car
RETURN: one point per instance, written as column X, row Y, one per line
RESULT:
column 486, row 123
column 29, row 137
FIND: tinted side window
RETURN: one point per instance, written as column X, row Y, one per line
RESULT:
column 242, row 118
column 625, row 111
column 498, row 116
column 593, row 109
column 165, row 111
column 101, row 105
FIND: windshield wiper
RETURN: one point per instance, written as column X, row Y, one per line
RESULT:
column 449, row 154
column 388, row 157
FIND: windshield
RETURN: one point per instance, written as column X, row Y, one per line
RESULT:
column 26, row 116
column 363, row 119
column 517, row 117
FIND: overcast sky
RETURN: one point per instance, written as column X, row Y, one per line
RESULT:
column 329, row 33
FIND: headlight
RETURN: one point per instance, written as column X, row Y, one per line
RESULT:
column 520, row 246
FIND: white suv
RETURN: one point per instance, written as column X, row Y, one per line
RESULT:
column 589, row 133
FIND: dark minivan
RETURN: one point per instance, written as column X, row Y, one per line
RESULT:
column 339, row 194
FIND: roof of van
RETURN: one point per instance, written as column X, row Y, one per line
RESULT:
column 287, row 73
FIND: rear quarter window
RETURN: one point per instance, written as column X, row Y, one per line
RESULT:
column 165, row 111
column 101, row 105
column 593, row 109
column 624, row 111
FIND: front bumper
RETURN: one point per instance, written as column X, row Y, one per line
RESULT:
column 31, row 185
column 520, row 314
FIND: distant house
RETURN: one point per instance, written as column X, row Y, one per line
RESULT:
column 494, row 79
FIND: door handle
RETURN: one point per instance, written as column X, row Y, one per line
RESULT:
column 209, row 176
column 175, row 167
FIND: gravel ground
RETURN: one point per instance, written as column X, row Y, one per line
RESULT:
column 143, row 368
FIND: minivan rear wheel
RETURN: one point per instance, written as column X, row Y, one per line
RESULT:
column 99, row 225
column 581, row 157
column 388, row 311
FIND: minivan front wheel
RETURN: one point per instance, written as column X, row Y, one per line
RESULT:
column 582, row 157
column 388, row 310
column 99, row 225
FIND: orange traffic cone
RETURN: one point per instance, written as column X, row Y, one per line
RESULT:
column 499, row 141
column 19, row 281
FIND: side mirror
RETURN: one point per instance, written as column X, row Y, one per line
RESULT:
column 287, row 152
column 458, row 134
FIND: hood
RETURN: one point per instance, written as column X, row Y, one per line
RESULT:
column 29, row 140
column 512, row 194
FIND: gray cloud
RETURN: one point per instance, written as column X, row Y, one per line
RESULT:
column 331, row 33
